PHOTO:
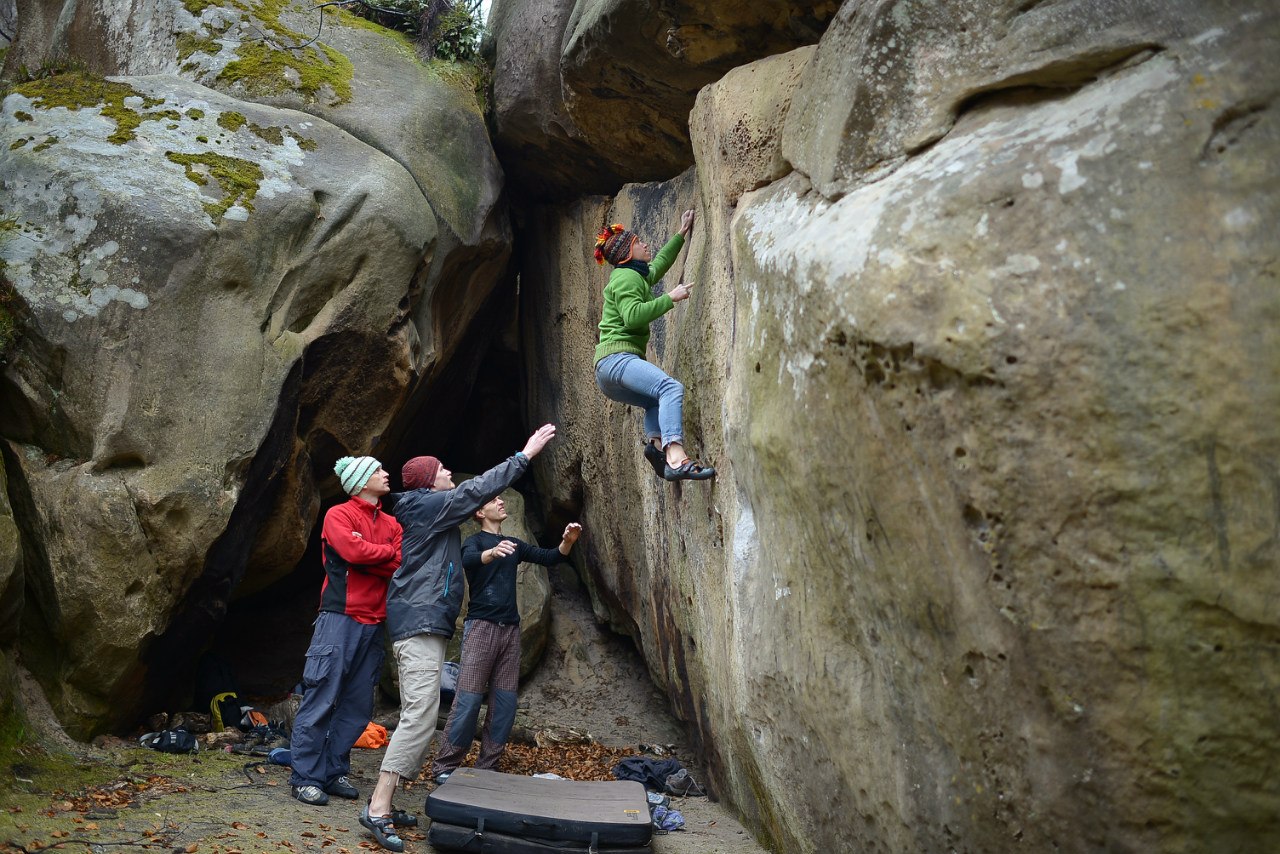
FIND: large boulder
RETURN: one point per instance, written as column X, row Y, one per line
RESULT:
column 990, row 380
column 594, row 93
column 344, row 248
column 10, row 568
column 209, row 283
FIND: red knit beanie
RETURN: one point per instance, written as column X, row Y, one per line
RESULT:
column 613, row 244
column 420, row 473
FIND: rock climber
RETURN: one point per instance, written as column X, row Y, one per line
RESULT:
column 622, row 372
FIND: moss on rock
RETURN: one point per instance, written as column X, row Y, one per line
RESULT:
column 238, row 179
column 273, row 135
column 232, row 121
column 189, row 43
column 265, row 71
column 77, row 90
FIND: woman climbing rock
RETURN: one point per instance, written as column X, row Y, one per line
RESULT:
column 622, row 372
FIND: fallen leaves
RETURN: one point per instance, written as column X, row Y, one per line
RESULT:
column 571, row 761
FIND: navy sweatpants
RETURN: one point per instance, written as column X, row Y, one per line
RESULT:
column 343, row 665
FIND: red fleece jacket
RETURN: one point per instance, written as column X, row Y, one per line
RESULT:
column 361, row 547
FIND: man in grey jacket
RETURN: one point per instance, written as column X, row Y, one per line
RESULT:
column 423, row 603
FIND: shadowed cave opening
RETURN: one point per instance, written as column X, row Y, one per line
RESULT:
column 470, row 415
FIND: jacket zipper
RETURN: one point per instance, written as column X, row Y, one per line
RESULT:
column 447, row 578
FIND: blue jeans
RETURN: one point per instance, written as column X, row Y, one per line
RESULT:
column 628, row 379
column 343, row 664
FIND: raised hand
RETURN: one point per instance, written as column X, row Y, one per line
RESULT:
column 539, row 440
column 686, row 222
column 571, row 533
column 680, row 292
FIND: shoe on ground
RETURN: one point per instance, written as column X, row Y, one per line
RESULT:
column 341, row 787
column 313, row 795
column 382, row 828
column 441, row 778
column 656, row 458
column 688, row 470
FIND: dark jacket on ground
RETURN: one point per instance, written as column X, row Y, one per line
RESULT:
column 493, row 585
column 426, row 592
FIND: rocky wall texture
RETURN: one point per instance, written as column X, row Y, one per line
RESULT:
column 987, row 359
column 229, row 275
column 589, row 94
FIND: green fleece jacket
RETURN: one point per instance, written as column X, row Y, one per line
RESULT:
column 630, row 306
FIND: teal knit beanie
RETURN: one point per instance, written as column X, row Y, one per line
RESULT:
column 354, row 472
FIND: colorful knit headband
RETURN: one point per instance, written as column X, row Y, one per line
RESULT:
column 613, row 244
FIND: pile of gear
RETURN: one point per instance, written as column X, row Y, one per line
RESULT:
column 229, row 724
column 661, row 778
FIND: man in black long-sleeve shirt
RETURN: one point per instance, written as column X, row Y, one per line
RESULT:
column 491, row 638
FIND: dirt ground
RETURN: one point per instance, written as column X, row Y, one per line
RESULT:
column 121, row 797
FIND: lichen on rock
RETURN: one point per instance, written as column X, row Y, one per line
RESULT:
column 238, row 179
column 77, row 90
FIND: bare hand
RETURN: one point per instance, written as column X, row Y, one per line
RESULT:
column 686, row 222
column 539, row 440
column 680, row 292
column 571, row 533
column 503, row 548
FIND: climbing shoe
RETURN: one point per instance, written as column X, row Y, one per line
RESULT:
column 341, row 787
column 656, row 458
column 688, row 470
column 400, row 818
column 382, row 828
column 313, row 795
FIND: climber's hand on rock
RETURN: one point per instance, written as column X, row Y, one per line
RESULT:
column 686, row 223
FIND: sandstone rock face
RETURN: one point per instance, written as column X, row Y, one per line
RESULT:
column 127, row 38
column 591, row 94
column 227, row 295
column 10, row 570
column 990, row 380
column 187, row 298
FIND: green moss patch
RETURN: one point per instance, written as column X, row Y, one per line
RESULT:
column 264, row 71
column 18, row 143
column 77, row 90
column 347, row 19
column 232, row 121
column 195, row 113
column 23, row 116
column 48, row 142
column 273, row 135
column 189, row 43
column 238, row 179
